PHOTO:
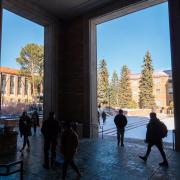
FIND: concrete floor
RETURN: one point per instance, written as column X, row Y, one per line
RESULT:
column 100, row 159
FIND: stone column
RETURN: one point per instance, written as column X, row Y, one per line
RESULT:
column 8, row 84
column 174, row 13
column 15, row 85
column 23, row 87
column 53, row 69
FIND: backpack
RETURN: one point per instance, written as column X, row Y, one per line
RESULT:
column 163, row 130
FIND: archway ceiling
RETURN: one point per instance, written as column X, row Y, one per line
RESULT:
column 66, row 9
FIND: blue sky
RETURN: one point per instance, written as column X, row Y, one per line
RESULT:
column 125, row 40
column 16, row 33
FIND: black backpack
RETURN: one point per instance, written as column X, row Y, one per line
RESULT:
column 163, row 129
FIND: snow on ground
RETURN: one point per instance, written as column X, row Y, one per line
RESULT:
column 136, row 127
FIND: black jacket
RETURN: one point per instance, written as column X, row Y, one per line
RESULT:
column 120, row 121
column 153, row 134
column 50, row 129
column 25, row 125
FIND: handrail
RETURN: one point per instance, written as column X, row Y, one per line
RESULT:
column 8, row 172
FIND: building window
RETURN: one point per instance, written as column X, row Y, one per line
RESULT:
column 158, row 91
column 31, row 89
column 11, row 84
column 134, row 83
column 26, row 86
column 157, row 81
column 170, row 90
column 19, row 89
column 158, row 103
column 3, row 84
column 169, row 80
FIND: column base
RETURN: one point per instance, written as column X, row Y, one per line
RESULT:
column 90, row 130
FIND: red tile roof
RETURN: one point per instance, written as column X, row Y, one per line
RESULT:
column 8, row 70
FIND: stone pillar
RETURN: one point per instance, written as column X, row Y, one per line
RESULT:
column 79, row 103
column 23, row 87
column 53, row 69
column 8, row 85
column 174, row 13
column 15, row 85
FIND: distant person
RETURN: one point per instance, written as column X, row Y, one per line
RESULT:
column 103, row 117
column 98, row 117
column 120, row 121
column 50, row 130
column 25, row 129
column 69, row 145
column 35, row 121
column 156, row 130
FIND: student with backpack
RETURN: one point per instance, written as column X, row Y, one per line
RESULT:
column 156, row 130
column 69, row 145
column 120, row 121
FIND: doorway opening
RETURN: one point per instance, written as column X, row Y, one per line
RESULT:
column 21, row 68
column 126, row 48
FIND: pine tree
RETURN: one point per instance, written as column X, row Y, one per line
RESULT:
column 103, row 84
column 31, row 61
column 125, row 93
column 146, row 97
column 114, row 90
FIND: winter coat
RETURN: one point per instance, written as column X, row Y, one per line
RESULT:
column 120, row 121
column 25, row 126
column 153, row 134
column 35, row 119
column 50, row 129
column 69, row 143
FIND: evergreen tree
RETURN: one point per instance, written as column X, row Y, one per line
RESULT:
column 114, row 90
column 146, row 97
column 125, row 93
column 103, row 84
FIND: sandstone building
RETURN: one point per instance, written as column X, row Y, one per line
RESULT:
column 162, row 88
column 15, row 87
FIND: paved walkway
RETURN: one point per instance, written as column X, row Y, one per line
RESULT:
column 101, row 159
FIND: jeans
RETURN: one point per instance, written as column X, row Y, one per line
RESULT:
column 159, row 145
column 120, row 136
column 49, row 145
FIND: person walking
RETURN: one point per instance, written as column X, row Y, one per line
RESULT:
column 120, row 121
column 156, row 130
column 25, row 129
column 98, row 117
column 69, row 144
column 50, row 130
column 103, row 117
column 35, row 120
